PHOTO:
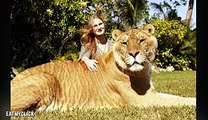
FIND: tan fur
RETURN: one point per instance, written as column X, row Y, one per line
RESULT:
column 63, row 85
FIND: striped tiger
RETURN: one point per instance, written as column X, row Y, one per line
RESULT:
column 123, row 79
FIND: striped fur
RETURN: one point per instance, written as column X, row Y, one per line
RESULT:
column 64, row 85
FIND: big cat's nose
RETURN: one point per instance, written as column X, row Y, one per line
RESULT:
column 133, row 53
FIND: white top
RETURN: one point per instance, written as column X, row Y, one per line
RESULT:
column 101, row 49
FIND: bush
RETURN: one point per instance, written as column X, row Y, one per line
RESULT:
column 45, row 30
column 174, row 48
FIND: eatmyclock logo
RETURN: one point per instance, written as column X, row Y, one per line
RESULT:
column 20, row 113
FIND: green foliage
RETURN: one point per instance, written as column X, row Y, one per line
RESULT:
column 174, row 47
column 168, row 10
column 188, row 48
column 45, row 30
column 48, row 30
column 131, row 13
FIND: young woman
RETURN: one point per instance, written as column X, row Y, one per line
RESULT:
column 94, row 42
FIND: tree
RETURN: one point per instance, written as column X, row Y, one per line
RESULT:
column 189, row 12
column 168, row 12
column 48, row 30
column 131, row 12
column 45, row 30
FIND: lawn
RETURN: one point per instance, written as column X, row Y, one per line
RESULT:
column 181, row 83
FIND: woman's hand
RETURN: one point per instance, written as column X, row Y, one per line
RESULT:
column 91, row 63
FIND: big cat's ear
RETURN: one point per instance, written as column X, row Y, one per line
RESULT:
column 152, row 41
column 149, row 28
column 116, row 33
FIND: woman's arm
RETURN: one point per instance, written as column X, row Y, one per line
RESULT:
column 84, row 56
column 84, row 52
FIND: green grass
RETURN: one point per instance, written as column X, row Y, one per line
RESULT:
column 181, row 83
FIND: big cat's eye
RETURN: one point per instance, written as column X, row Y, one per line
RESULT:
column 124, row 43
column 141, row 41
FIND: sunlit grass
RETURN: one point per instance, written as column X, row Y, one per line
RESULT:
column 181, row 83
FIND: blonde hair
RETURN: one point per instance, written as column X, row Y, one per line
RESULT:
column 88, row 37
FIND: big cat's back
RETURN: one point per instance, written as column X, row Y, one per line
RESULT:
column 59, row 69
